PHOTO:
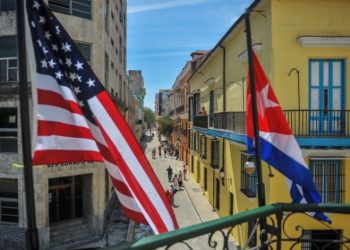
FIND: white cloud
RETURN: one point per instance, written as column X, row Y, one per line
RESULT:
column 160, row 6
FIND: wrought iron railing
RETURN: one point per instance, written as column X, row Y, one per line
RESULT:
column 334, row 123
column 201, row 121
column 317, row 123
column 234, row 121
column 284, row 229
column 180, row 109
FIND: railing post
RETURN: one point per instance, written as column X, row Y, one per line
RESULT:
column 279, row 217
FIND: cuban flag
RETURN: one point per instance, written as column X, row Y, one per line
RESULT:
column 278, row 145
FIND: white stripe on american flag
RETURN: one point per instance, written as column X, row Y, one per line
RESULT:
column 57, row 114
column 129, row 157
column 46, row 82
column 65, row 143
column 127, row 201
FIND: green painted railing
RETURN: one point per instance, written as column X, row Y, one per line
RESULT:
column 275, row 211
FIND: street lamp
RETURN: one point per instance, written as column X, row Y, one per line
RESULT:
column 222, row 175
column 250, row 165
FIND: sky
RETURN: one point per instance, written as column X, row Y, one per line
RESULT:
column 161, row 34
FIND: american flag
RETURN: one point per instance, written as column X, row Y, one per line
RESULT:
column 78, row 121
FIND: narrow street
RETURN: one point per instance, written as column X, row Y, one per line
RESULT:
column 191, row 206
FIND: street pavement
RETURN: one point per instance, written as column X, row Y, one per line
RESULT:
column 191, row 206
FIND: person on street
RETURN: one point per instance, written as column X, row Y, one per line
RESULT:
column 160, row 151
column 170, row 173
column 176, row 182
column 164, row 151
column 153, row 153
column 185, row 172
column 180, row 179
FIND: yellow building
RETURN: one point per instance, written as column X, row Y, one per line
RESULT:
column 304, row 47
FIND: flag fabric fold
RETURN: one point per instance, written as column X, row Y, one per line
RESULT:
column 77, row 121
column 278, row 145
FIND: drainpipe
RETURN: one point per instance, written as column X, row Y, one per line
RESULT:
column 223, row 99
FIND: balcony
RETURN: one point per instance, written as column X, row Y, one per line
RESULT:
column 288, row 226
column 180, row 109
column 304, row 123
column 201, row 121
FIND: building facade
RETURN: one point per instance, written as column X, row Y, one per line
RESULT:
column 65, row 192
column 138, row 91
column 305, row 56
column 180, row 89
column 165, row 102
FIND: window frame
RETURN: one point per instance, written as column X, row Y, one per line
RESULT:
column 248, row 182
column 8, row 68
column 70, row 8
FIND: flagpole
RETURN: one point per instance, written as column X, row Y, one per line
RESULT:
column 32, row 232
column 260, row 184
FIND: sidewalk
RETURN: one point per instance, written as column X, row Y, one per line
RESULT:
column 192, row 207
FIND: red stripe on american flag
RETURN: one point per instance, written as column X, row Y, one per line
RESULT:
column 58, row 156
column 47, row 97
column 136, row 187
column 121, row 187
column 138, row 217
column 46, row 128
column 119, row 122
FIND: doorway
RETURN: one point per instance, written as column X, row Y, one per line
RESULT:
column 65, row 198
column 217, row 201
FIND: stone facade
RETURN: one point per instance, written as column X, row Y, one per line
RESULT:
column 104, row 34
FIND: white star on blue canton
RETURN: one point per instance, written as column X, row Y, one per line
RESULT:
column 45, row 50
column 66, row 47
column 91, row 83
column 79, row 78
column 68, row 62
column 60, row 61
column 39, row 43
column 43, row 63
column 52, row 63
column 42, row 19
column 77, row 90
column 79, row 65
column 47, row 35
column 54, row 47
column 72, row 76
column 81, row 104
column 58, row 75
column 36, row 5
column 57, row 30
column 33, row 24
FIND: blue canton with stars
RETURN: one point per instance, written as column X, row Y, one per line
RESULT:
column 56, row 55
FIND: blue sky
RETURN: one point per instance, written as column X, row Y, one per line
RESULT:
column 163, row 33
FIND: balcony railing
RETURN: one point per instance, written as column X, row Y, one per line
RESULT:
column 316, row 123
column 180, row 109
column 289, row 226
column 234, row 121
column 327, row 123
column 201, row 121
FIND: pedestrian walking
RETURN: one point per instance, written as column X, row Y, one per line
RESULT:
column 180, row 179
column 153, row 153
column 170, row 173
column 160, row 151
column 173, row 190
column 176, row 182
column 177, row 154
column 185, row 172
column 165, row 149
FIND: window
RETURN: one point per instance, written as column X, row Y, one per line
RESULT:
column 107, row 17
column 120, row 87
column 112, row 42
column 7, row 5
column 322, row 239
column 248, row 182
column 106, row 70
column 8, row 59
column 85, row 49
column 8, row 70
column 203, row 147
column 112, row 65
column 80, row 8
column 215, row 150
column 8, row 200
column 194, row 141
column 8, row 130
column 191, row 140
column 328, row 176
column 120, row 47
